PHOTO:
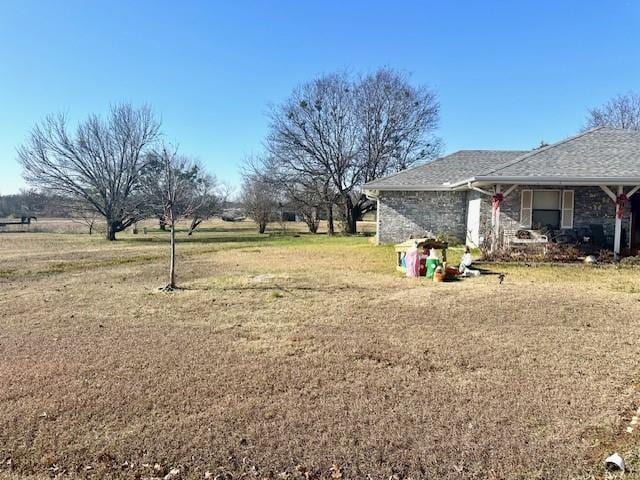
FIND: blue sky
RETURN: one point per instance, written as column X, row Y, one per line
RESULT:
column 509, row 74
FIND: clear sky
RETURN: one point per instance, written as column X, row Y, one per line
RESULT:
column 509, row 74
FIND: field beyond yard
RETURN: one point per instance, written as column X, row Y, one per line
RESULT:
column 300, row 356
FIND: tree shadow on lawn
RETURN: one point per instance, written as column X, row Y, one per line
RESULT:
column 208, row 240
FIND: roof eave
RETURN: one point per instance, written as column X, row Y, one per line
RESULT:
column 568, row 180
column 408, row 188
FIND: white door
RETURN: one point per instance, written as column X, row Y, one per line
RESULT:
column 473, row 222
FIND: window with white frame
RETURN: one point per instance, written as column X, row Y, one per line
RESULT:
column 547, row 208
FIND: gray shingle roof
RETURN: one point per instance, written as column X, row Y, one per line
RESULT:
column 598, row 154
column 602, row 152
column 447, row 170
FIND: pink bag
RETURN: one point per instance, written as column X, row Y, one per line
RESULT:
column 412, row 262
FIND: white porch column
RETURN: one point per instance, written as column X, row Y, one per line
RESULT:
column 378, row 220
column 618, row 231
column 495, row 223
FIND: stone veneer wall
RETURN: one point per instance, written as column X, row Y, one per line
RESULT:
column 591, row 206
column 405, row 213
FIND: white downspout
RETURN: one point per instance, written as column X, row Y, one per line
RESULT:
column 378, row 220
column 618, row 232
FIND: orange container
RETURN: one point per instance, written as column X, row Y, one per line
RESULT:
column 439, row 274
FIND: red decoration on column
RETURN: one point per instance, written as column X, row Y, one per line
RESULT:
column 496, row 200
column 621, row 202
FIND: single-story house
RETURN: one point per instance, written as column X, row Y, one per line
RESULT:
column 578, row 186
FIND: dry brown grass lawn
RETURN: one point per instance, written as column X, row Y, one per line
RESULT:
column 295, row 354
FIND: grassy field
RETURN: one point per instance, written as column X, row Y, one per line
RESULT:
column 299, row 356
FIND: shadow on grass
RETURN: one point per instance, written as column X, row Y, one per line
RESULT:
column 233, row 236
column 484, row 271
column 204, row 230
column 206, row 240
column 293, row 290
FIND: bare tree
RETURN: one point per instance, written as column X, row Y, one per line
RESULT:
column 226, row 191
column 259, row 198
column 85, row 215
column 397, row 123
column 622, row 111
column 315, row 134
column 305, row 199
column 171, row 182
column 100, row 165
column 207, row 200
column 341, row 134
column 304, row 193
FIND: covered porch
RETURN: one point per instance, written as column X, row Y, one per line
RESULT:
column 589, row 212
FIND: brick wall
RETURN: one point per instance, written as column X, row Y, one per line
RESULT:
column 404, row 213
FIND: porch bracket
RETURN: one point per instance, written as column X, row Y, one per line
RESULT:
column 632, row 191
column 478, row 189
column 608, row 191
column 509, row 190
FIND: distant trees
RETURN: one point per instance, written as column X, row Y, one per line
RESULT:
column 259, row 198
column 33, row 203
column 306, row 199
column 84, row 214
column 99, row 165
column 334, row 134
column 208, row 199
column 622, row 111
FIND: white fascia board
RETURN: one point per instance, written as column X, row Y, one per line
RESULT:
column 410, row 188
column 492, row 180
column 569, row 181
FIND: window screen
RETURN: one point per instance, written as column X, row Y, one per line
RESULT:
column 546, row 218
column 546, row 200
column 546, row 209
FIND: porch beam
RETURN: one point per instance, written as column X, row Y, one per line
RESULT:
column 608, row 191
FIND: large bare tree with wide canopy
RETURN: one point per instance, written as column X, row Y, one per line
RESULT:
column 347, row 132
column 99, row 165
column 314, row 135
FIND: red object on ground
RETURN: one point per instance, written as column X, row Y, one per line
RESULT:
column 452, row 272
